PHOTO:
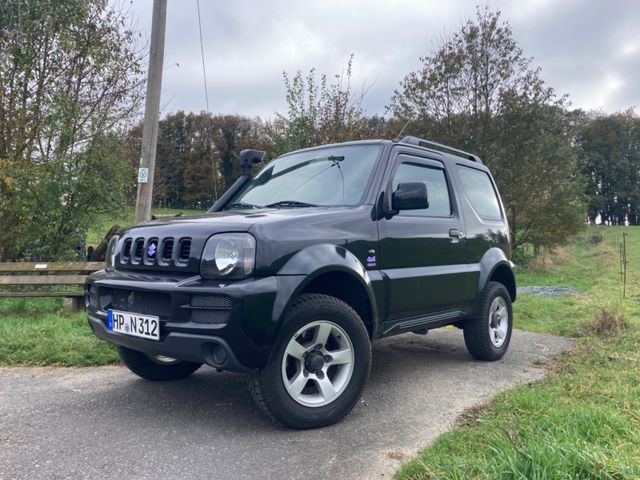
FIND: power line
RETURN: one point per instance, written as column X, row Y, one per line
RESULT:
column 204, row 70
column 206, row 99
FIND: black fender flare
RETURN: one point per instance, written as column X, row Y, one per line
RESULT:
column 310, row 263
column 492, row 260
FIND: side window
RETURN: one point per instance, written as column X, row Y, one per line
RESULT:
column 437, row 190
column 479, row 190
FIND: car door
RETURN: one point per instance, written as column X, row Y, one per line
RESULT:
column 423, row 252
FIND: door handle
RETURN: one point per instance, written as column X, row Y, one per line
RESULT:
column 456, row 235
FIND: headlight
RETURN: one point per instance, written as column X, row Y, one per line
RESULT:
column 228, row 255
column 110, row 255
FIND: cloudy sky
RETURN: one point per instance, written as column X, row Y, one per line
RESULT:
column 589, row 49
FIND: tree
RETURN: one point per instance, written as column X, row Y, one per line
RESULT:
column 70, row 78
column 609, row 151
column 188, row 144
column 478, row 91
column 319, row 112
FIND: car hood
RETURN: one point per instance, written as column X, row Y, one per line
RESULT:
column 218, row 222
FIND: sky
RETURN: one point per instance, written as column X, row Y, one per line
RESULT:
column 588, row 49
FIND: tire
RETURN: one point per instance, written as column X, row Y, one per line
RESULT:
column 487, row 336
column 156, row 368
column 316, row 328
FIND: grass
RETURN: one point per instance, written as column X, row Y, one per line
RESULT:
column 583, row 420
column 39, row 331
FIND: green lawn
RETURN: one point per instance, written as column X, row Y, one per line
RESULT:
column 38, row 331
column 583, row 420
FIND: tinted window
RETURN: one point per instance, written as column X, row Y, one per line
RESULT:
column 479, row 190
column 327, row 176
column 437, row 191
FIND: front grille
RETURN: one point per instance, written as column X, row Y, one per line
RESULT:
column 211, row 317
column 159, row 253
column 149, row 303
column 185, row 249
column 211, row 309
column 138, row 249
column 211, row 301
column 126, row 249
column 167, row 249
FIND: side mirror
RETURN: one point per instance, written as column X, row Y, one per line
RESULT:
column 410, row 196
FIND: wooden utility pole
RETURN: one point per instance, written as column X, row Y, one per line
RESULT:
column 151, row 112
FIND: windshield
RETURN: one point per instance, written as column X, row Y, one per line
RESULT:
column 333, row 176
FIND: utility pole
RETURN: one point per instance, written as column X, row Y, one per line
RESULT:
column 151, row 112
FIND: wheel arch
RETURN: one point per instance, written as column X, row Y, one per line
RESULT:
column 340, row 275
column 495, row 266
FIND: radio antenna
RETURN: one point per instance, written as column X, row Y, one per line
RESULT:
column 397, row 138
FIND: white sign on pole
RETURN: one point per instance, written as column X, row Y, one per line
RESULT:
column 143, row 175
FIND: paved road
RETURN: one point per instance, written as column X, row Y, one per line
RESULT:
column 104, row 422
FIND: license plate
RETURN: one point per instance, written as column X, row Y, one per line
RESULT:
column 135, row 324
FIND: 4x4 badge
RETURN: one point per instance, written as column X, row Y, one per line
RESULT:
column 371, row 259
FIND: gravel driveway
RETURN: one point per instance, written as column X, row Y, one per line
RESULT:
column 104, row 422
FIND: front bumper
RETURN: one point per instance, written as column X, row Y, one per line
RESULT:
column 239, row 339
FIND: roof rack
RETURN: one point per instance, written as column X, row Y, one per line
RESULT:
column 421, row 142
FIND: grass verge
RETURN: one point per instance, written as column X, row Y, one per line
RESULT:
column 583, row 420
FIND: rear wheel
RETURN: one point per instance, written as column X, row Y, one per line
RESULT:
column 156, row 367
column 487, row 336
column 319, row 366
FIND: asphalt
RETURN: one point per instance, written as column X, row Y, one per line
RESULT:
column 104, row 422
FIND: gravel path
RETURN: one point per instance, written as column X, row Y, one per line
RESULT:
column 550, row 291
column 104, row 422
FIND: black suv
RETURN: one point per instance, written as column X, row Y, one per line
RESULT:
column 293, row 272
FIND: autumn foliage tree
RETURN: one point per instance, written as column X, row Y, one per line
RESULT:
column 70, row 79
column 198, row 156
column 478, row 91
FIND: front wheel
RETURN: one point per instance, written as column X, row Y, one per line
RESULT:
column 487, row 336
column 319, row 366
column 156, row 367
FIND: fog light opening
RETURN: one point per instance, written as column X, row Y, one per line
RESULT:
column 219, row 356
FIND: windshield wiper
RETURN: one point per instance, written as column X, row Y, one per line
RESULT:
column 289, row 203
column 241, row 205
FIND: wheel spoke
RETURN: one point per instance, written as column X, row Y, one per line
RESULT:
column 326, row 388
column 322, row 333
column 301, row 359
column 297, row 384
column 295, row 350
column 340, row 357
column 501, row 311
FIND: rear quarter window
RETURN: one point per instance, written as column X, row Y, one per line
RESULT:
column 479, row 190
